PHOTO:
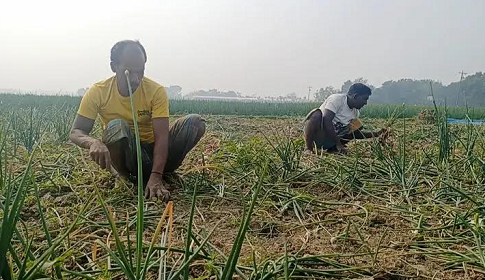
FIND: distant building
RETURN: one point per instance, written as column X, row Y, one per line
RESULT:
column 174, row 92
column 223, row 98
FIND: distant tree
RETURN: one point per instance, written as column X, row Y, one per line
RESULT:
column 469, row 92
column 360, row 80
column 407, row 91
column 81, row 91
column 345, row 87
column 347, row 84
column 323, row 93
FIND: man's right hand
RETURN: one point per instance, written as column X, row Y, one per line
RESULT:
column 341, row 149
column 384, row 133
column 100, row 154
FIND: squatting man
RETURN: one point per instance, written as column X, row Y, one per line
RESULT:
column 332, row 126
column 163, row 148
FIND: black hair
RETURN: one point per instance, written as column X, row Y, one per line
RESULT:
column 359, row 89
column 119, row 47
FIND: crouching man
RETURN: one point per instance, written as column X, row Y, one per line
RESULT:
column 336, row 122
column 163, row 148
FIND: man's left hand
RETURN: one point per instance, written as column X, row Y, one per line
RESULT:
column 155, row 188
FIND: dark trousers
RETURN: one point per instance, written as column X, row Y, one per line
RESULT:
column 315, row 134
column 184, row 134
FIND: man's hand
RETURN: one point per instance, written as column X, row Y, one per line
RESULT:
column 155, row 188
column 341, row 149
column 384, row 133
column 100, row 154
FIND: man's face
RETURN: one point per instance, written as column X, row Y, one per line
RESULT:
column 133, row 60
column 360, row 100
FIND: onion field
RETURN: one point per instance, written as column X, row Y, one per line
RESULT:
column 251, row 203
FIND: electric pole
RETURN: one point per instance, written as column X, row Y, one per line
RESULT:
column 309, row 92
column 462, row 74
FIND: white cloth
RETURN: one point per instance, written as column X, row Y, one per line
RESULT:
column 344, row 115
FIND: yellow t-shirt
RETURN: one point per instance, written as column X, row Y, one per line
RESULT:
column 103, row 98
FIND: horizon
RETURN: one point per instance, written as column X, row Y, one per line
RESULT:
column 303, row 95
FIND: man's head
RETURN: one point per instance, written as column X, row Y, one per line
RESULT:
column 128, row 55
column 358, row 95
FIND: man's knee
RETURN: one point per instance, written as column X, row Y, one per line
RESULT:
column 115, row 131
column 198, row 123
column 117, row 124
column 195, row 118
column 314, row 120
column 316, row 116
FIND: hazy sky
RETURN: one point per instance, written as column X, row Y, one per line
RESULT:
column 261, row 47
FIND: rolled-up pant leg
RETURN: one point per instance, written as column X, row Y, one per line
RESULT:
column 120, row 141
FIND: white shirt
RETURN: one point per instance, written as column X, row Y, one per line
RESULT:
column 344, row 115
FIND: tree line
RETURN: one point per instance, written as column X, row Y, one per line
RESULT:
column 469, row 91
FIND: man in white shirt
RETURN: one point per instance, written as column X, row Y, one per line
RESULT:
column 336, row 122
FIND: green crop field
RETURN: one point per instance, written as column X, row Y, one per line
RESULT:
column 251, row 204
column 10, row 102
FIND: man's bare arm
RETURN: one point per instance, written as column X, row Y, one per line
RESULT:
column 80, row 130
column 367, row 134
column 160, row 151
column 155, row 188
column 79, row 135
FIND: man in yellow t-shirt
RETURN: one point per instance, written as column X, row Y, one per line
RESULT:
column 163, row 148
